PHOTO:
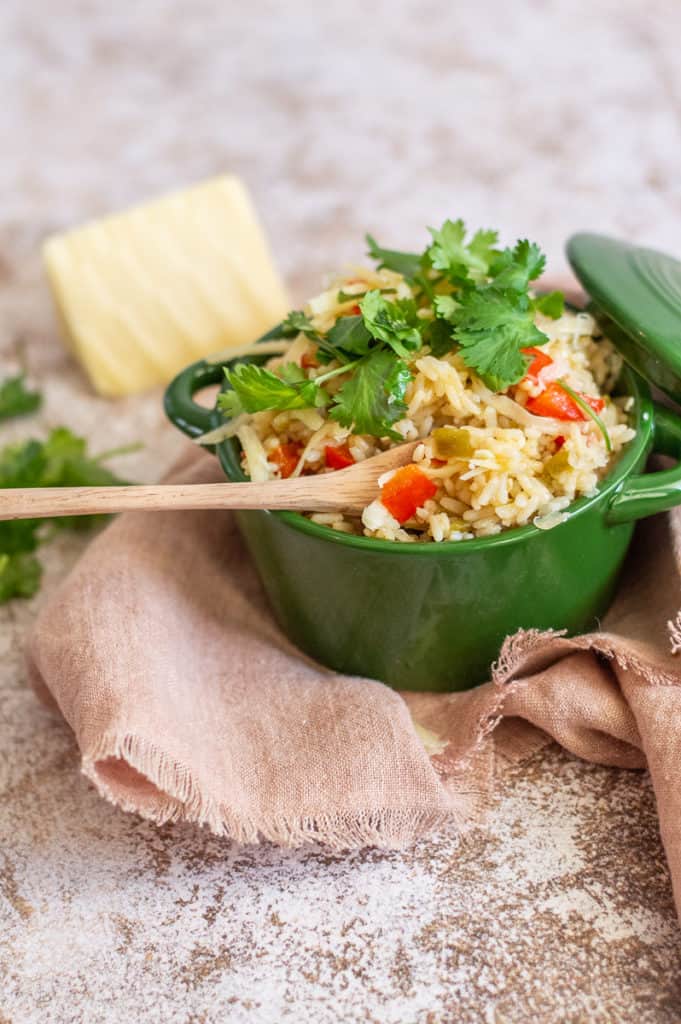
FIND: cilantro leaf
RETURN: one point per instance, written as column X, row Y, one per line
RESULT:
column 21, row 465
column 395, row 323
column 61, row 460
column 492, row 328
column 481, row 247
column 373, row 398
column 356, row 296
column 350, row 334
column 298, row 322
column 529, row 255
column 438, row 336
column 406, row 263
column 256, row 388
column 462, row 262
column 292, row 373
column 515, row 268
column 16, row 399
column 230, row 404
column 19, row 575
column 551, row 304
column 446, row 306
column 68, row 464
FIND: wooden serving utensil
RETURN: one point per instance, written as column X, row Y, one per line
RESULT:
column 346, row 490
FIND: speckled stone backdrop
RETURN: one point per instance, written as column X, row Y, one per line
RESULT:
column 538, row 117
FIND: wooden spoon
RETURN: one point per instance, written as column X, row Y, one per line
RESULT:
column 346, row 490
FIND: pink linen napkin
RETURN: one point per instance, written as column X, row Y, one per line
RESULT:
column 187, row 701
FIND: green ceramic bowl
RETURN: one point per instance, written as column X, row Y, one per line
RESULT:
column 433, row 616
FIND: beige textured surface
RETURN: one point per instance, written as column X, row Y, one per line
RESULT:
column 537, row 118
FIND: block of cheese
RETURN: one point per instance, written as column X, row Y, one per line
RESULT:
column 145, row 292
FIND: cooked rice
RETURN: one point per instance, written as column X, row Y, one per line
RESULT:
column 509, row 479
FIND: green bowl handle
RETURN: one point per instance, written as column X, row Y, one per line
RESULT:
column 648, row 493
column 181, row 409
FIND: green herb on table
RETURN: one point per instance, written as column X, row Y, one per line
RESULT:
column 61, row 460
column 16, row 399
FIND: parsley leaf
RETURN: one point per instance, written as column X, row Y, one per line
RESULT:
column 254, row 388
column 492, row 328
column 373, row 398
column 16, row 399
column 461, row 261
column 406, row 263
column 395, row 323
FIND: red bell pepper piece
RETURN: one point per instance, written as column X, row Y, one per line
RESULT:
column 406, row 491
column 337, row 456
column 557, row 404
column 286, row 457
column 309, row 359
column 540, row 360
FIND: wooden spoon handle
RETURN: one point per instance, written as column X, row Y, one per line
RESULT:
column 308, row 494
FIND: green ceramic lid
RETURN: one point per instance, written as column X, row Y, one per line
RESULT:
column 636, row 295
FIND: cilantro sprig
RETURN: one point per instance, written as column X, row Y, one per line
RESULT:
column 16, row 399
column 373, row 397
column 61, row 460
column 406, row 263
column 480, row 299
column 466, row 294
column 492, row 327
column 254, row 388
column 462, row 261
column 371, row 349
column 394, row 323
